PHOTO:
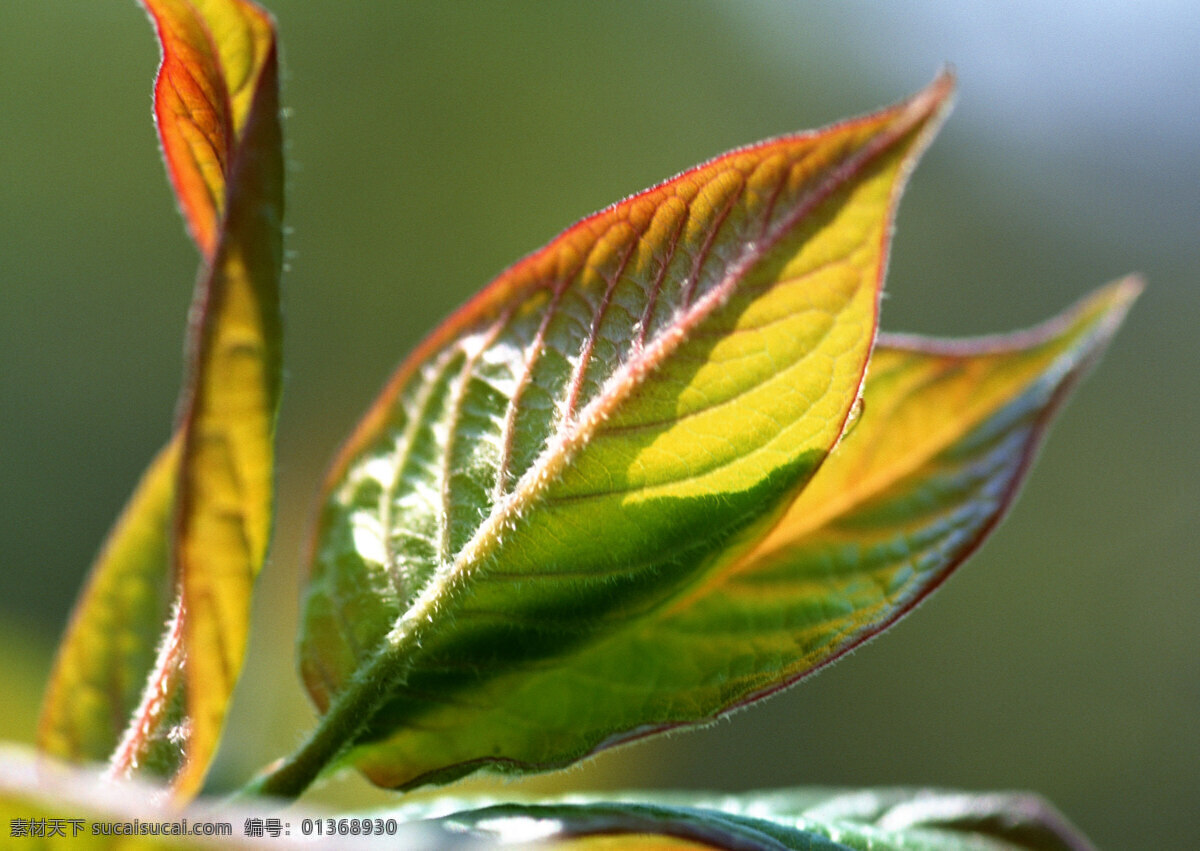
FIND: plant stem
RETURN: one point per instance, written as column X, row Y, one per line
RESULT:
column 350, row 711
column 371, row 686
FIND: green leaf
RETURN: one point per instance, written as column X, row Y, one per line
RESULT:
column 578, row 446
column 41, row 795
column 802, row 819
column 947, row 431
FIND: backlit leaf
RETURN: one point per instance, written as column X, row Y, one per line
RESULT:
column 574, row 449
column 947, row 431
column 217, row 105
column 108, row 648
column 218, row 59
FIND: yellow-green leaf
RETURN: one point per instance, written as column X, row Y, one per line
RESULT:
column 568, row 453
column 947, row 432
column 216, row 104
column 218, row 111
column 108, row 648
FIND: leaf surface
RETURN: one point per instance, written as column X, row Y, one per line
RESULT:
column 947, row 431
column 573, row 450
column 217, row 104
column 205, row 504
column 218, row 59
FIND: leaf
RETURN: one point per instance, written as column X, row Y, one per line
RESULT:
column 108, row 648
column 218, row 66
column 216, row 100
column 806, row 820
column 574, row 448
column 41, row 795
column 216, row 104
column 947, row 432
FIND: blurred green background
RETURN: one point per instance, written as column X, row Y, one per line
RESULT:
column 431, row 144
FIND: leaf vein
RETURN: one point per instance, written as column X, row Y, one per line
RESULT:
column 453, row 419
column 532, row 352
column 589, row 340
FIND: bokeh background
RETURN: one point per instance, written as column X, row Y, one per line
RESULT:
column 431, row 144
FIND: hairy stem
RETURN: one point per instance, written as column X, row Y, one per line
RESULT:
column 346, row 717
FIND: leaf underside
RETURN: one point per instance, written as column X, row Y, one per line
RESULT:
column 199, row 522
column 585, row 440
column 800, row 819
column 578, row 514
column 947, row 432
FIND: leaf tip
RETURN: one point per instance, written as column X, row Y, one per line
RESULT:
column 931, row 105
column 1105, row 309
column 1120, row 296
column 940, row 92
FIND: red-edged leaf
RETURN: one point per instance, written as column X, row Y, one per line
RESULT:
column 216, row 104
column 569, row 450
column 218, row 111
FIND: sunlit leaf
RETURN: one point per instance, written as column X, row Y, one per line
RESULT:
column 218, row 62
column 947, row 433
column 575, row 447
column 217, row 105
column 804, row 820
column 108, row 648
column 948, row 430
